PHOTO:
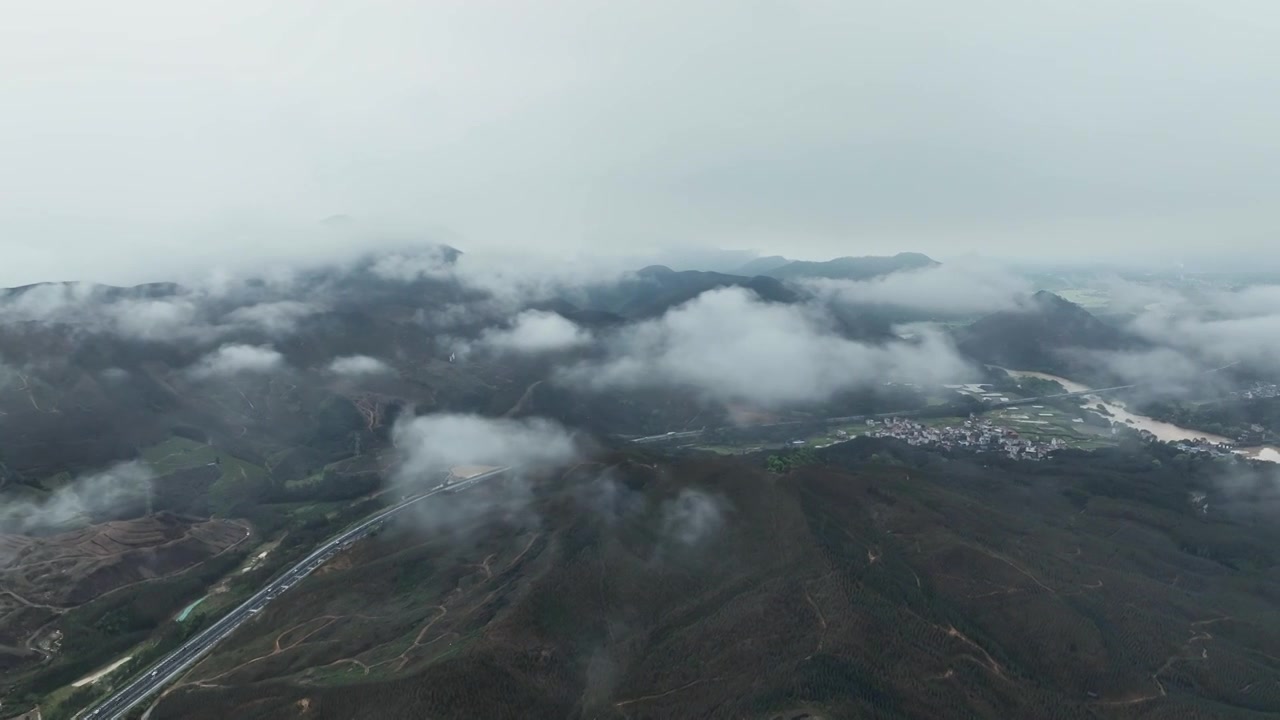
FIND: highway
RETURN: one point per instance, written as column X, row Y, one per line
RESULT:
column 181, row 659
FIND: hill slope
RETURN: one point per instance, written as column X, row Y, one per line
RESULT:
column 1044, row 336
column 653, row 290
column 644, row 588
column 852, row 268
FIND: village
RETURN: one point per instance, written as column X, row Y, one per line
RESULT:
column 1258, row 391
column 973, row 434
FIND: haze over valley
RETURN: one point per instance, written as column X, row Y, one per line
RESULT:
column 616, row 361
column 174, row 446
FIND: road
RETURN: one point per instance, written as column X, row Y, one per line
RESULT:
column 181, row 659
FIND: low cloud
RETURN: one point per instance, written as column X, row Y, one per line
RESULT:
column 432, row 444
column 87, row 498
column 1164, row 367
column 185, row 315
column 692, row 517
column 231, row 360
column 54, row 302
column 1216, row 326
column 274, row 318
column 433, row 262
column 92, row 308
column 731, row 346
column 429, row 447
column 536, row 331
column 952, row 289
column 358, row 365
column 7, row 375
column 1246, row 491
column 156, row 319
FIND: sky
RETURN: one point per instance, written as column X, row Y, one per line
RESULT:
column 142, row 139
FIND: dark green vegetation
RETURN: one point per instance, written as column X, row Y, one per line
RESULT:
column 1253, row 421
column 864, row 580
column 784, row 462
column 884, row 582
column 654, row 290
column 1049, row 335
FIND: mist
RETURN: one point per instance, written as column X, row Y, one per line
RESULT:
column 693, row 517
column 358, row 366
column 962, row 288
column 1216, row 327
column 230, row 360
column 145, row 142
column 428, row 446
column 730, row 346
column 87, row 498
column 535, row 331
column 177, row 314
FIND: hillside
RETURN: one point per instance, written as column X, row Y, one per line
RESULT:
column 885, row 583
column 762, row 265
column 851, row 268
column 42, row 578
column 653, row 290
column 74, row 567
column 1047, row 335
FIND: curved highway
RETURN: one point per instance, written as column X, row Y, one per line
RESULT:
column 180, row 660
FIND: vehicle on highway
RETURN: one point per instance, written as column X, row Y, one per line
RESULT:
column 173, row 664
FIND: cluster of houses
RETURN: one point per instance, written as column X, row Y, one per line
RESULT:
column 974, row 434
column 1258, row 391
column 1197, row 446
column 1200, row 446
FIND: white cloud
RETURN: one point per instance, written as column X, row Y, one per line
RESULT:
column 432, row 444
column 276, row 318
column 536, row 331
column 82, row 499
column 355, row 365
column 692, row 517
column 731, row 346
column 954, row 288
column 588, row 123
column 235, row 359
column 1215, row 326
column 406, row 267
column 167, row 319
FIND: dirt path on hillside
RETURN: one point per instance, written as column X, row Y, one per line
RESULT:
column 525, row 400
column 682, row 688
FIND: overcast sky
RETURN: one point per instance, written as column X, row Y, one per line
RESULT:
column 143, row 136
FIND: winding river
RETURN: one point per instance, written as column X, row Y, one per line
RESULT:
column 1167, row 432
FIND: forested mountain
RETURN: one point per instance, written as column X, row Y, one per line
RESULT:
column 1049, row 334
column 852, row 268
column 653, row 290
column 879, row 582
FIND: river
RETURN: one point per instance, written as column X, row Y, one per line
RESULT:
column 1167, row 432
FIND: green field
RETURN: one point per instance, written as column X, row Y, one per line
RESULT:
column 178, row 453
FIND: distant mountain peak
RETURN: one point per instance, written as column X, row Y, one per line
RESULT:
column 854, row 268
column 1047, row 301
column 1042, row 335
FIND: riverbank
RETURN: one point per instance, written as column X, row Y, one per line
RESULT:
column 1163, row 431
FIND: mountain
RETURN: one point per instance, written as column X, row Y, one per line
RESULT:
column 872, row 580
column 762, row 265
column 1044, row 336
column 852, row 268
column 653, row 290
column 879, row 582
